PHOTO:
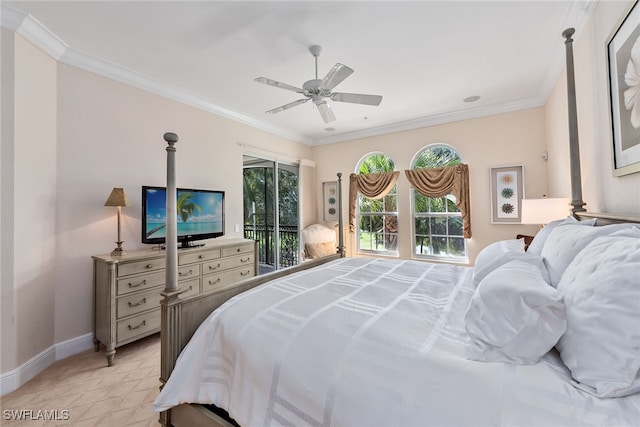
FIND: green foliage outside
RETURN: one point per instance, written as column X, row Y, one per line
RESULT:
column 437, row 233
column 378, row 224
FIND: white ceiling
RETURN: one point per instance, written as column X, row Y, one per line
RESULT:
column 423, row 57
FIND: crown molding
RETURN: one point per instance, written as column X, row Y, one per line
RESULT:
column 31, row 29
column 436, row 119
column 577, row 18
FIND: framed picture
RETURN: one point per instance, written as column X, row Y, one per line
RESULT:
column 330, row 200
column 623, row 60
column 507, row 192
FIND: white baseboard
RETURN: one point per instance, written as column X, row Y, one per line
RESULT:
column 12, row 380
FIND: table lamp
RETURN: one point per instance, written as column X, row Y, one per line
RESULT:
column 118, row 198
column 543, row 211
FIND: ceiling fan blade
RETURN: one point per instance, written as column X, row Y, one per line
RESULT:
column 338, row 73
column 278, row 84
column 357, row 98
column 287, row 106
column 325, row 112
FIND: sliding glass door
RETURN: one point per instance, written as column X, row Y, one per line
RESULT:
column 271, row 211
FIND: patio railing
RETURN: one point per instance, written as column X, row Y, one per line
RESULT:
column 287, row 239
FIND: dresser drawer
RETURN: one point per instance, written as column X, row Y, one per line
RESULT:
column 190, row 288
column 140, row 283
column 138, row 325
column 198, row 257
column 228, row 263
column 235, row 250
column 141, row 266
column 188, row 272
column 213, row 282
column 139, row 302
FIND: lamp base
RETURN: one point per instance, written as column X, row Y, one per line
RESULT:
column 118, row 251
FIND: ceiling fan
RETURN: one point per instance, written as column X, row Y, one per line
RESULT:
column 319, row 90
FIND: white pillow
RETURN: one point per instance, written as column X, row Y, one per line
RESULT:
column 539, row 240
column 499, row 253
column 601, row 347
column 514, row 316
column 565, row 242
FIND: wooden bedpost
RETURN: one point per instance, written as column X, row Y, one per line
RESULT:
column 169, row 308
column 574, row 149
column 340, row 221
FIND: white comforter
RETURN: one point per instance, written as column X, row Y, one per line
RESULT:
column 370, row 342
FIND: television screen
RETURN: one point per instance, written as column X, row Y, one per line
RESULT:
column 200, row 214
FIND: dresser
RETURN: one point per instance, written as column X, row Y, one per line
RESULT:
column 127, row 288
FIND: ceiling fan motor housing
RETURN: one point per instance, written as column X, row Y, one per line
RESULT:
column 312, row 86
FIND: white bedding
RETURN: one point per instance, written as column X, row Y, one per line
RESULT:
column 371, row 342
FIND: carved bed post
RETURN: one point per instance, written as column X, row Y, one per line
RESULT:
column 169, row 308
column 574, row 149
column 340, row 225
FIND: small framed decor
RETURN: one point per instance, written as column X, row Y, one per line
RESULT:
column 330, row 200
column 623, row 61
column 507, row 192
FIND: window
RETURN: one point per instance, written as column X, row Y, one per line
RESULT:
column 437, row 222
column 377, row 220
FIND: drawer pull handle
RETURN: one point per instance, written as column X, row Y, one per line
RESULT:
column 149, row 265
column 135, row 304
column 131, row 328
column 246, row 273
column 239, row 249
column 214, row 283
column 131, row 285
column 186, row 290
column 188, row 273
column 245, row 260
column 200, row 256
column 214, row 268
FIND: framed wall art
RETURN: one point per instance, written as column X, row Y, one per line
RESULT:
column 330, row 200
column 507, row 192
column 623, row 61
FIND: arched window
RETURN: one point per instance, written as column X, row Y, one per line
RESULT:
column 377, row 219
column 437, row 222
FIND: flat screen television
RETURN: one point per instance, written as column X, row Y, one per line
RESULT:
column 200, row 215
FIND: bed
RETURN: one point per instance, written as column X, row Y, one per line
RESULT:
column 547, row 336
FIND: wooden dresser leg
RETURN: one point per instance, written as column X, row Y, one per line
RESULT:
column 96, row 344
column 111, row 352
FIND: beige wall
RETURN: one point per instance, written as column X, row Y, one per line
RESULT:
column 30, row 203
column 111, row 136
column 77, row 135
column 7, row 300
column 506, row 139
column 601, row 190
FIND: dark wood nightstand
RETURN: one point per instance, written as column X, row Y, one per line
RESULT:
column 527, row 240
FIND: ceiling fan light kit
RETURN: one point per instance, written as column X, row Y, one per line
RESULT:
column 319, row 90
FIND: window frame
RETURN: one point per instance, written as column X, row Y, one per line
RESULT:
column 414, row 215
column 359, row 214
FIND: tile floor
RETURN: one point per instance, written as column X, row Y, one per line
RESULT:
column 86, row 392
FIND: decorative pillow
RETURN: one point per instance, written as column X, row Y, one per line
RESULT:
column 319, row 250
column 601, row 347
column 514, row 316
column 499, row 253
column 316, row 233
column 565, row 242
column 539, row 240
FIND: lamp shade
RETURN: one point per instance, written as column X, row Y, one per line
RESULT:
column 117, row 198
column 543, row 211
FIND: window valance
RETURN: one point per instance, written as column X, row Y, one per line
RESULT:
column 371, row 185
column 438, row 182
